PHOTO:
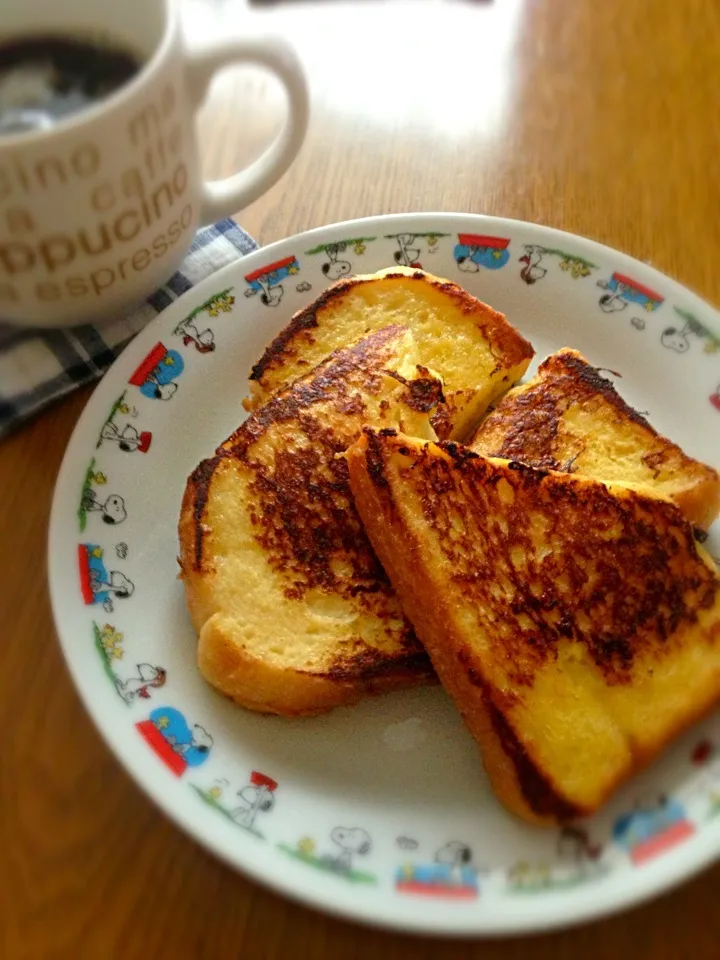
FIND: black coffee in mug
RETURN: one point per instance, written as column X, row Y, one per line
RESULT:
column 101, row 197
column 44, row 79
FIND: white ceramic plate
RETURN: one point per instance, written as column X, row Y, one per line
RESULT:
column 381, row 812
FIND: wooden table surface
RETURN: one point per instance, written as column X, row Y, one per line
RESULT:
column 596, row 117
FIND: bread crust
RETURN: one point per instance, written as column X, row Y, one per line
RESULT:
column 501, row 686
column 533, row 423
column 466, row 397
column 294, row 614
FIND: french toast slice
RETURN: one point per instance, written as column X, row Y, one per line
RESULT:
column 575, row 624
column 571, row 418
column 294, row 612
column 478, row 354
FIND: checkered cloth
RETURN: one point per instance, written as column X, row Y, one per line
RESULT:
column 39, row 366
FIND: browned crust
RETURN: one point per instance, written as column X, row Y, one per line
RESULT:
column 640, row 607
column 504, row 339
column 329, row 376
column 524, row 789
column 515, row 780
column 302, row 509
column 525, row 423
column 536, row 789
column 195, row 501
column 424, row 393
column 524, row 426
column 266, row 687
column 589, row 382
column 366, row 663
column 305, row 319
column 303, row 517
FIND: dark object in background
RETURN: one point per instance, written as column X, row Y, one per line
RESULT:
column 46, row 78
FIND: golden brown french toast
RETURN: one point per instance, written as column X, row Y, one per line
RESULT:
column 478, row 354
column 571, row 418
column 575, row 624
column 294, row 613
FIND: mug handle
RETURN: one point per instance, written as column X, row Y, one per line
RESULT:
column 221, row 198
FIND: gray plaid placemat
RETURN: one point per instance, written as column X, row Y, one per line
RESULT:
column 39, row 366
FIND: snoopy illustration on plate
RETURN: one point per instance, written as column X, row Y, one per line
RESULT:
column 535, row 255
column 267, row 281
column 258, row 797
column 97, row 585
column 452, row 875
column 110, row 645
column 622, row 290
column 337, row 264
column 679, row 338
column 177, row 744
column 203, row 340
column 406, row 255
column 147, row 679
column 577, row 860
column 652, row 828
column 473, row 251
column 531, row 272
column 408, row 252
column 128, row 438
column 109, row 507
column 157, row 375
column 352, row 842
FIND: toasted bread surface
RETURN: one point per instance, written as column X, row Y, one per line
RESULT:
column 294, row 613
column 478, row 354
column 575, row 624
column 571, row 418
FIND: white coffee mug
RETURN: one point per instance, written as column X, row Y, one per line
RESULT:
column 99, row 210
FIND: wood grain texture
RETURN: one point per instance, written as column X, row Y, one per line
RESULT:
column 599, row 118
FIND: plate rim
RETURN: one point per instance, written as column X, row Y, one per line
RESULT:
column 677, row 866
